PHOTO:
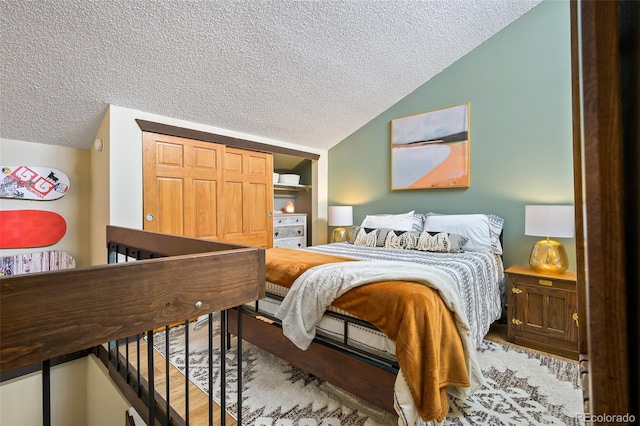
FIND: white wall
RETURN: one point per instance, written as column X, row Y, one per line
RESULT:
column 73, row 206
column 100, row 198
column 121, row 187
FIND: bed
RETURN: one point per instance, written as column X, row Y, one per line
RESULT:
column 401, row 330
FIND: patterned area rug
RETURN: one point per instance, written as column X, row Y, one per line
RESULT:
column 522, row 388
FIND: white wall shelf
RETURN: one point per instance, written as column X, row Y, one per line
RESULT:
column 284, row 190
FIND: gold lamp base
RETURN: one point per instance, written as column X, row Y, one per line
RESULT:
column 548, row 256
column 339, row 235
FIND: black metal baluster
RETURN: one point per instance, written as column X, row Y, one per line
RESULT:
column 152, row 390
column 210, row 332
column 223, row 372
column 126, row 358
column 166, row 372
column 239, row 336
column 138, row 363
column 112, row 257
column 46, row 392
column 117, row 358
column 186, row 371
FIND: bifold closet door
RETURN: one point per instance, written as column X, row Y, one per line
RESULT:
column 248, row 197
column 182, row 186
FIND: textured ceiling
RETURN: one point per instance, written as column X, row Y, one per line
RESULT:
column 305, row 72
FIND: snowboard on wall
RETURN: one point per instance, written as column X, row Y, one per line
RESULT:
column 41, row 261
column 30, row 228
column 33, row 183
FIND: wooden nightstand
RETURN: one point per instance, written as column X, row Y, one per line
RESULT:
column 542, row 310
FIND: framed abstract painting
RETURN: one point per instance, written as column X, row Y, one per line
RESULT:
column 431, row 149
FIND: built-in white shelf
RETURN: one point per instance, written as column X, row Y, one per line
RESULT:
column 284, row 189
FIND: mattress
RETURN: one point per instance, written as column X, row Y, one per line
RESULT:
column 338, row 326
column 479, row 277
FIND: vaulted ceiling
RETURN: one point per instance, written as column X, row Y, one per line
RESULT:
column 307, row 72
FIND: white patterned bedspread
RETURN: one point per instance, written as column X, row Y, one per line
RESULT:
column 479, row 276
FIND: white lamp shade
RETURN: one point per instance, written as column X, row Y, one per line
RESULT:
column 340, row 215
column 549, row 221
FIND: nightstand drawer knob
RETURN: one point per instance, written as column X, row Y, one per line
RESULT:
column 547, row 283
column 516, row 290
column 516, row 321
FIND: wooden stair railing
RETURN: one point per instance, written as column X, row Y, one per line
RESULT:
column 48, row 315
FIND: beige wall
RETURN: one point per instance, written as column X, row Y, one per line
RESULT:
column 105, row 404
column 73, row 207
column 81, row 395
column 21, row 398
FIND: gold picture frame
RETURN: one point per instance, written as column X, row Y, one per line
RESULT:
column 431, row 149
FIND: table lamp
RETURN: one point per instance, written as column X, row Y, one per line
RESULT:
column 549, row 221
column 340, row 216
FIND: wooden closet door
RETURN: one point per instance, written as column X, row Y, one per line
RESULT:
column 182, row 186
column 248, row 197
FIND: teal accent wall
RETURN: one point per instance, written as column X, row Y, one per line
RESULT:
column 518, row 85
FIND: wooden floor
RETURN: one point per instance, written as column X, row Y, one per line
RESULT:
column 198, row 400
column 498, row 333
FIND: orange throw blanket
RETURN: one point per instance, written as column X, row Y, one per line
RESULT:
column 428, row 346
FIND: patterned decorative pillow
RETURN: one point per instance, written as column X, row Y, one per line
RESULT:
column 366, row 237
column 441, row 242
column 362, row 234
column 355, row 230
column 407, row 240
column 418, row 222
column 497, row 224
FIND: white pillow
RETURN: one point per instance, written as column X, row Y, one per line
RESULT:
column 473, row 226
column 496, row 223
column 399, row 222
